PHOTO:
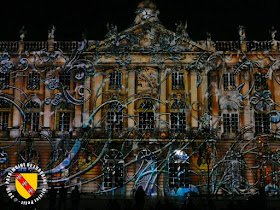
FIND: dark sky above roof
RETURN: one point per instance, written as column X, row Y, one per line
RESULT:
column 71, row 18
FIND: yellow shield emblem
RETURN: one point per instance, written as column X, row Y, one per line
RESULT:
column 26, row 184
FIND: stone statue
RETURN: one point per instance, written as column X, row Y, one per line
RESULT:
column 273, row 31
column 112, row 31
column 22, row 33
column 241, row 32
column 51, row 32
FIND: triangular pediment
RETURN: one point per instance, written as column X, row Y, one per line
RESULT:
column 146, row 38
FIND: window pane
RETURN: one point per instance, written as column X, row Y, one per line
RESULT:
column 146, row 121
column 64, row 79
column 177, row 81
column 115, row 80
column 4, row 120
column 64, row 121
column 4, row 80
column 33, row 82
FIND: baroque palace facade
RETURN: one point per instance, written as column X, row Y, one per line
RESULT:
column 146, row 106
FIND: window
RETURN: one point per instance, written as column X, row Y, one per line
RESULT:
column 113, row 174
column 113, row 169
column 229, row 81
column 4, row 119
column 260, row 81
column 4, row 115
column 178, row 121
column 177, row 81
column 64, row 79
column 115, row 80
column 33, row 82
column 32, row 120
column 4, row 80
column 178, row 174
column 114, row 121
column 146, row 121
column 64, row 121
column 262, row 124
column 230, row 122
column 32, row 116
column 178, row 118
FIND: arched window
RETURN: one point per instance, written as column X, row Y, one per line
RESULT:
column 178, row 116
column 146, row 116
column 114, row 117
column 33, row 82
column 5, row 110
column 32, row 115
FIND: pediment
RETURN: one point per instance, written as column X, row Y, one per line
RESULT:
column 150, row 37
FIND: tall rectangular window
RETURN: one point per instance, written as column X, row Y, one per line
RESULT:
column 4, row 80
column 33, row 82
column 4, row 120
column 113, row 173
column 64, row 79
column 178, row 121
column 146, row 121
column 230, row 122
column 229, row 81
column 115, row 80
column 115, row 121
column 262, row 123
column 32, row 120
column 178, row 174
column 64, row 121
column 260, row 81
column 178, row 80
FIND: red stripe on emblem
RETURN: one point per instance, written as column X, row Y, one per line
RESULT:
column 25, row 184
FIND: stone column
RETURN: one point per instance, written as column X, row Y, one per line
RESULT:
column 187, row 99
column 17, row 117
column 47, row 111
column 193, row 89
column 98, row 79
column 162, row 108
column 86, row 106
column 130, row 92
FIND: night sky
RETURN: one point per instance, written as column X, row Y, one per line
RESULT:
column 71, row 18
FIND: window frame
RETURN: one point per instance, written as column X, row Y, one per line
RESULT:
column 230, row 126
column 4, row 81
column 260, row 119
column 33, row 81
column 115, row 80
column 178, row 80
column 229, row 81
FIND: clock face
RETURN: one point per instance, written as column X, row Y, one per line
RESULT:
column 146, row 14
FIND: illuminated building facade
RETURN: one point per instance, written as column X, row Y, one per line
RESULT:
column 146, row 106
